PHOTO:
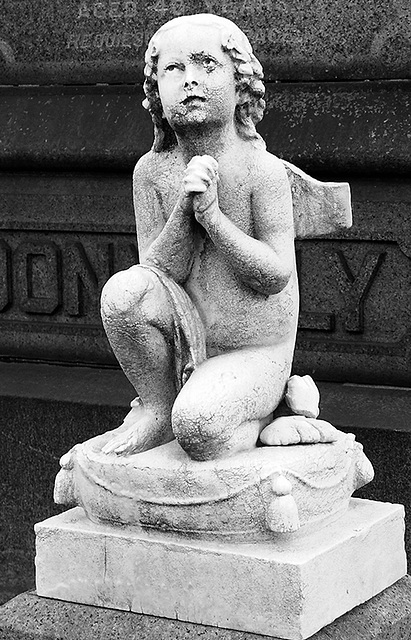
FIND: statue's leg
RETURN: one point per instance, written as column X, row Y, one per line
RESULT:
column 138, row 320
column 228, row 400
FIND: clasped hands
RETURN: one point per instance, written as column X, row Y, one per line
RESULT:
column 200, row 185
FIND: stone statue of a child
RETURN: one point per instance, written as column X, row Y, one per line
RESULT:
column 205, row 329
column 205, row 326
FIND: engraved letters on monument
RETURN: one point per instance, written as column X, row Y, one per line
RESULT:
column 60, row 244
column 354, row 295
column 86, row 41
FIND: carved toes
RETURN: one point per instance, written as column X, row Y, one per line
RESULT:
column 327, row 432
column 298, row 430
column 282, row 431
column 132, row 440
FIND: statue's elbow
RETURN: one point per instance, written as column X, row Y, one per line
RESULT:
column 274, row 283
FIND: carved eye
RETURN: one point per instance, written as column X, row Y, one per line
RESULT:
column 173, row 66
column 209, row 63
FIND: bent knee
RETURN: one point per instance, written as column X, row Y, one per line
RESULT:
column 125, row 291
column 199, row 430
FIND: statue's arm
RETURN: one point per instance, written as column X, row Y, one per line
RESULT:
column 265, row 261
column 164, row 242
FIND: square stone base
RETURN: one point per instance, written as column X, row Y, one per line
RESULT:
column 289, row 588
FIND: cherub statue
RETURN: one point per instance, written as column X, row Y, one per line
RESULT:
column 205, row 326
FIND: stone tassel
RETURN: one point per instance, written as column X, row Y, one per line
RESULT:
column 282, row 512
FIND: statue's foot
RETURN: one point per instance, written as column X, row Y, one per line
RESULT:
column 298, row 430
column 139, row 432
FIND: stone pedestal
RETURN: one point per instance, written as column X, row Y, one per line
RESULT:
column 289, row 587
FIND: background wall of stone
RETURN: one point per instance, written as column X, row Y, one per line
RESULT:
column 72, row 128
column 338, row 106
column 89, row 41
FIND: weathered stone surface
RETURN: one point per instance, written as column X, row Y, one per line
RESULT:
column 74, row 127
column 46, row 409
column 246, row 497
column 365, row 274
column 205, row 327
column 43, row 411
column 88, row 41
column 28, row 617
column 355, row 288
column 42, row 266
column 89, row 221
column 340, row 127
column 312, row 579
column 61, row 239
column 326, row 127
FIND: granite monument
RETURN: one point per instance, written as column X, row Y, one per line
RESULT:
column 222, row 445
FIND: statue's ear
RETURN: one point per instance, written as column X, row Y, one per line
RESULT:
column 319, row 207
column 242, row 97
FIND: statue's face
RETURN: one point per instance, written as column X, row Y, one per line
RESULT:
column 195, row 77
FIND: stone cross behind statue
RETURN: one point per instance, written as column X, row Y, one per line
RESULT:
column 205, row 326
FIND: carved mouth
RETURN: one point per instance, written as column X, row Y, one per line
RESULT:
column 191, row 99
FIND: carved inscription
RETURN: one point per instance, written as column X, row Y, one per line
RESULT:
column 357, row 288
column 105, row 40
column 354, row 315
column 129, row 13
column 83, row 279
column 6, row 280
column 51, row 277
column 111, row 9
column 313, row 320
column 126, row 9
column 59, row 278
column 39, row 288
column 352, row 286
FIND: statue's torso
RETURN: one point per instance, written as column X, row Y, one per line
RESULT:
column 234, row 314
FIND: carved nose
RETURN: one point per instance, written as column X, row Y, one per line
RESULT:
column 190, row 82
column 190, row 79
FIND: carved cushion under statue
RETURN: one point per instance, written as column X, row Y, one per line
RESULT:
column 220, row 441
column 249, row 496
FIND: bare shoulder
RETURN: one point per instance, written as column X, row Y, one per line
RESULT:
column 270, row 179
column 267, row 166
column 146, row 169
column 155, row 168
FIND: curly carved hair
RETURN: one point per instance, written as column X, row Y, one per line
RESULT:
column 248, row 74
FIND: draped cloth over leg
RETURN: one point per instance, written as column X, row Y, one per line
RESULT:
column 189, row 336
